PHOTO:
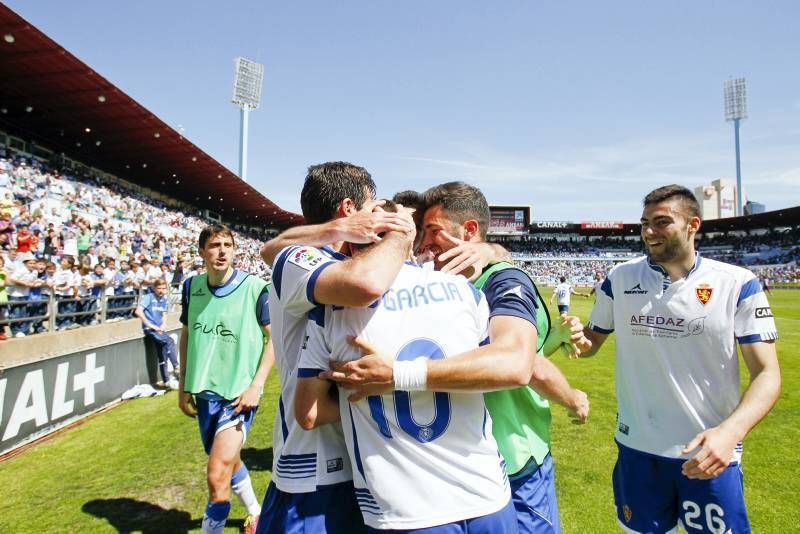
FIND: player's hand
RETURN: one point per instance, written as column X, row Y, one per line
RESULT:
column 248, row 400
column 579, row 409
column 465, row 258
column 186, row 403
column 717, row 445
column 365, row 225
column 569, row 329
column 372, row 369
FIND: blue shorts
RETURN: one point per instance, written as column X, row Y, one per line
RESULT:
column 652, row 495
column 534, row 496
column 563, row 308
column 331, row 509
column 504, row 521
column 215, row 414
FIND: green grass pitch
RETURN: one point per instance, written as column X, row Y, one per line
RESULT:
column 141, row 467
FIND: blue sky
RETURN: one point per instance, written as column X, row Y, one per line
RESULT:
column 575, row 108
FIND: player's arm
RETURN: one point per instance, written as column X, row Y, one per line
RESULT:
column 718, row 443
column 315, row 403
column 596, row 339
column 359, row 282
column 549, row 382
column 185, row 399
column 507, row 362
column 362, row 227
column 601, row 321
column 139, row 312
column 315, row 400
column 553, row 296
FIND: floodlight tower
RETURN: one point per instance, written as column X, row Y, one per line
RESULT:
column 246, row 95
column 736, row 110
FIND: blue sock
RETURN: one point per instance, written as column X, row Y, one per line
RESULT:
column 215, row 517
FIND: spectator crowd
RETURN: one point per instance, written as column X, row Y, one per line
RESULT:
column 87, row 249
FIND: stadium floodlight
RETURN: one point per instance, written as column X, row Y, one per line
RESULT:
column 736, row 111
column 247, row 95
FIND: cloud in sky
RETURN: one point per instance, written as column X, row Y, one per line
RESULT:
column 608, row 181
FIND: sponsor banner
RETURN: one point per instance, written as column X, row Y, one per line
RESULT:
column 40, row 397
column 509, row 219
column 602, row 225
column 556, row 225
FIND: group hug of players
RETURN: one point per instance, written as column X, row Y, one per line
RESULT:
column 415, row 399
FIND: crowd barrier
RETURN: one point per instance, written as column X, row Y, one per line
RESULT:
column 53, row 313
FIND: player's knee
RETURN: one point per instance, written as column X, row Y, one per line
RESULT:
column 220, row 472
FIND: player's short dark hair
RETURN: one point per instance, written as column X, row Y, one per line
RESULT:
column 410, row 199
column 688, row 201
column 327, row 184
column 462, row 202
column 563, row 279
column 211, row 230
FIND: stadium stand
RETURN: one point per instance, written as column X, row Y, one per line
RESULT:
column 51, row 214
column 768, row 244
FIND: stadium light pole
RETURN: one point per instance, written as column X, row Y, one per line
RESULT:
column 736, row 111
column 247, row 95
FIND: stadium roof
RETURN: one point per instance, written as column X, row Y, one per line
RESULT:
column 49, row 96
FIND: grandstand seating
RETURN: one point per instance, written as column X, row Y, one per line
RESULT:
column 81, row 216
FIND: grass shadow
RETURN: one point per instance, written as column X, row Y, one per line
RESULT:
column 257, row 459
column 130, row 515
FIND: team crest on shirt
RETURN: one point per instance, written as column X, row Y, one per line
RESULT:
column 307, row 258
column 626, row 511
column 703, row 292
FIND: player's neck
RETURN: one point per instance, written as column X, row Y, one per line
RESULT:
column 680, row 267
column 218, row 278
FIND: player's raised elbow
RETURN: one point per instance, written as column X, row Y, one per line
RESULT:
column 305, row 413
column 307, row 421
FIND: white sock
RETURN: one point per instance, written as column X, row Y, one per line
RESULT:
column 242, row 487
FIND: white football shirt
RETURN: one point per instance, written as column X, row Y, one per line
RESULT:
column 303, row 459
column 677, row 369
column 563, row 292
column 421, row 458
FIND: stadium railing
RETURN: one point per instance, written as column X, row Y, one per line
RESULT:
column 105, row 309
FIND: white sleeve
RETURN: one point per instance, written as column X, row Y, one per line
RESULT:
column 315, row 355
column 602, row 317
column 753, row 320
column 294, row 276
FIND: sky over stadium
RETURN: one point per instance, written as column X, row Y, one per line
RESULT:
column 577, row 109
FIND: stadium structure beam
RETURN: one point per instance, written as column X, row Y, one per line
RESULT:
column 33, row 54
column 39, row 77
column 26, row 98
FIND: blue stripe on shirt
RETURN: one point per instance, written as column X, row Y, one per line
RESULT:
column 312, row 281
column 605, row 287
column 277, row 271
column 750, row 288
